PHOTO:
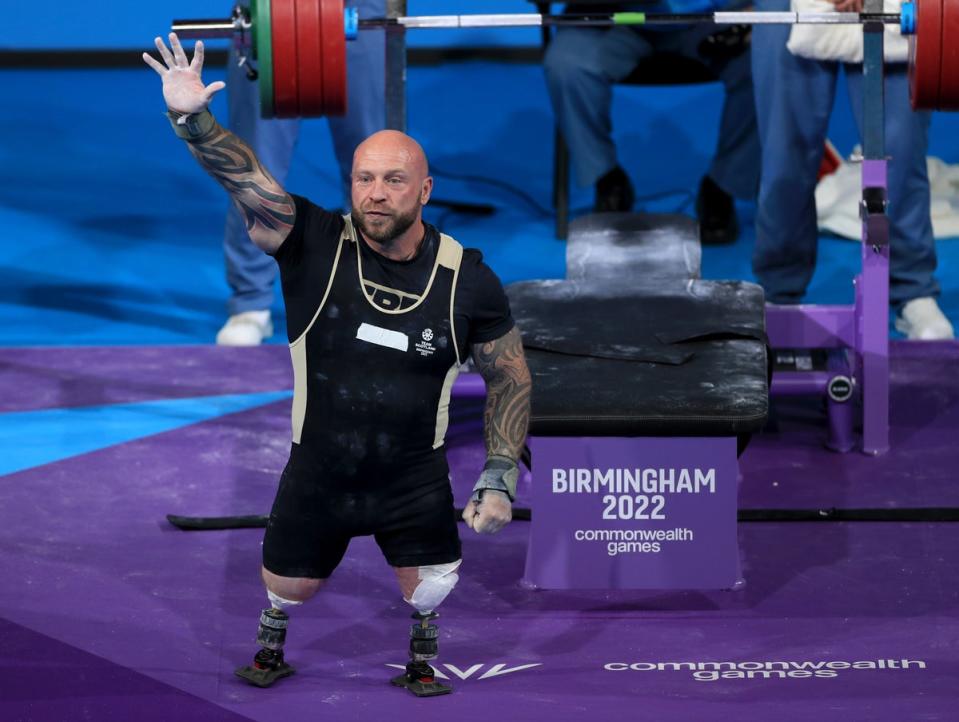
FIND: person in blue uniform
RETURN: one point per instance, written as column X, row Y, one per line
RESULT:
column 382, row 312
column 249, row 273
column 794, row 99
column 583, row 63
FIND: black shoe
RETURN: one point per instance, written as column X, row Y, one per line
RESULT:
column 614, row 192
column 716, row 213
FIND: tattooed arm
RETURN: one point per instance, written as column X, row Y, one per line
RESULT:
column 506, row 419
column 502, row 365
column 268, row 209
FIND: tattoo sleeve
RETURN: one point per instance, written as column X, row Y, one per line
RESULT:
column 506, row 418
column 268, row 210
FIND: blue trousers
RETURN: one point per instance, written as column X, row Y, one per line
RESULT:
column 583, row 64
column 794, row 99
column 250, row 273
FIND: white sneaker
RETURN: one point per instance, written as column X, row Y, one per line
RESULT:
column 921, row 320
column 246, row 329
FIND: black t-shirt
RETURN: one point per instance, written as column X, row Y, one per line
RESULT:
column 481, row 310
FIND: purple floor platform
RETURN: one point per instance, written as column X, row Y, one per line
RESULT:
column 111, row 614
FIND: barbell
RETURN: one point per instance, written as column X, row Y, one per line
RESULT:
column 300, row 45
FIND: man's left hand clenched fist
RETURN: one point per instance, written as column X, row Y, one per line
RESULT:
column 490, row 507
column 488, row 511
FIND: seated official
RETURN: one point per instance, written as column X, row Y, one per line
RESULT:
column 583, row 63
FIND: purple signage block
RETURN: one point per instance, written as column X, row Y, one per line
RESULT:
column 633, row 513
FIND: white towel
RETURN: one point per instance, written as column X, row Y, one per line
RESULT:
column 841, row 42
column 837, row 199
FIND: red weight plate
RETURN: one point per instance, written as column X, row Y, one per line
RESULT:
column 285, row 79
column 309, row 57
column 925, row 51
column 334, row 57
column 949, row 68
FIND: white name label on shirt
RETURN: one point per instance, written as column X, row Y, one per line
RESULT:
column 383, row 337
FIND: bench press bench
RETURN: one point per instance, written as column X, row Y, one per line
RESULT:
column 647, row 383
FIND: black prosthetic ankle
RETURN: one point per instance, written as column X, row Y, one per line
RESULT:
column 268, row 665
column 419, row 677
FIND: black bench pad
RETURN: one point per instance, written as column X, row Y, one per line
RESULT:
column 685, row 360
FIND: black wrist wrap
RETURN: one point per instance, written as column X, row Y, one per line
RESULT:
column 192, row 127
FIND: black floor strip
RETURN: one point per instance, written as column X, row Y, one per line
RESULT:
column 920, row 514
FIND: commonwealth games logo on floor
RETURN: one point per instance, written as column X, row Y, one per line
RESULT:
column 714, row 671
column 474, row 671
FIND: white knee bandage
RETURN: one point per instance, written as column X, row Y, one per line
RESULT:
column 436, row 582
column 279, row 602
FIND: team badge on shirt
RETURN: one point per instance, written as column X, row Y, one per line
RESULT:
column 425, row 347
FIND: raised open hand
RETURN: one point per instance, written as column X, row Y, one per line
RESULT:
column 183, row 88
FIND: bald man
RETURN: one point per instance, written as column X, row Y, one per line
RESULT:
column 382, row 311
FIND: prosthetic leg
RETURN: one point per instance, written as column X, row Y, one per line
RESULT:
column 419, row 678
column 268, row 665
column 436, row 581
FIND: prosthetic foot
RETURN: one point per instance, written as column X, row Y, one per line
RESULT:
column 419, row 677
column 268, row 665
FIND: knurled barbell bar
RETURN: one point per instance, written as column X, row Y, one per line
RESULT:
column 300, row 45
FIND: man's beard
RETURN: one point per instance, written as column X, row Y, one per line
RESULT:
column 396, row 225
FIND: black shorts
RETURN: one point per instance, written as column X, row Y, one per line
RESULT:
column 312, row 522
